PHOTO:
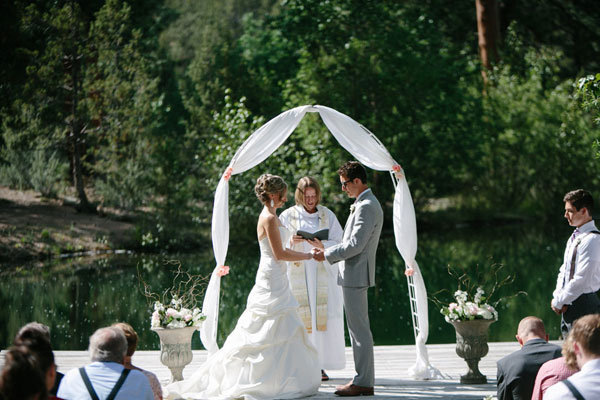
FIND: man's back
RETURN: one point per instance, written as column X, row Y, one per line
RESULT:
column 517, row 371
column 104, row 376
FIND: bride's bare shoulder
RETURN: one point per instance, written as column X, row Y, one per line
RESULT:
column 267, row 219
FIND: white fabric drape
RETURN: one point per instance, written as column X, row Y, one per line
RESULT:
column 367, row 149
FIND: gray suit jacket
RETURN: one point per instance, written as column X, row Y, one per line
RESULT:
column 359, row 243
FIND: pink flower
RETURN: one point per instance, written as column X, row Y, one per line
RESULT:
column 409, row 271
column 222, row 270
column 228, row 173
column 453, row 306
column 187, row 317
column 397, row 171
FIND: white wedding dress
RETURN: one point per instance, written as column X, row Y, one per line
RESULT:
column 268, row 355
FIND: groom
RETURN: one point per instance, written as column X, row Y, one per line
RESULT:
column 357, row 272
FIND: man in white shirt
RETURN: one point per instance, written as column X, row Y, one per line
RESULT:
column 105, row 377
column 585, row 337
column 579, row 276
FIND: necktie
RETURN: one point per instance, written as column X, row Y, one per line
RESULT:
column 576, row 233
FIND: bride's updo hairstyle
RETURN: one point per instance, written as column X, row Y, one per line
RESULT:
column 267, row 184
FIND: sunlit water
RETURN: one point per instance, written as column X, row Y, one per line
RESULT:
column 77, row 296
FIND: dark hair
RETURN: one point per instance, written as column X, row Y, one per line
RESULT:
column 586, row 332
column 42, row 350
column 33, row 330
column 21, row 377
column 353, row 170
column 580, row 198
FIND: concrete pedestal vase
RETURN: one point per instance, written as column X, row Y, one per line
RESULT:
column 472, row 346
column 176, row 349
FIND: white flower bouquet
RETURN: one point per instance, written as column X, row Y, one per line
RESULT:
column 467, row 307
column 465, row 310
column 175, row 316
column 181, row 310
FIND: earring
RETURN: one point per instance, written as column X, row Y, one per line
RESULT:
column 272, row 203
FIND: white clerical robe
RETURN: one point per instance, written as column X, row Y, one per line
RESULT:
column 329, row 343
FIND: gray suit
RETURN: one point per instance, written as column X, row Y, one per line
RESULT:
column 356, row 255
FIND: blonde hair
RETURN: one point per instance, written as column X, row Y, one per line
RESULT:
column 569, row 354
column 303, row 184
column 131, row 336
column 586, row 332
column 267, row 184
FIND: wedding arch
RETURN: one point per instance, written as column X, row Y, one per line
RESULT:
column 367, row 149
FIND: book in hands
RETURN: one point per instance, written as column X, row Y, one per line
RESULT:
column 323, row 234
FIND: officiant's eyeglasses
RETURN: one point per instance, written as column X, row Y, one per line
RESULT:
column 344, row 184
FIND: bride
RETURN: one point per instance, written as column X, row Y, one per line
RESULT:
column 268, row 355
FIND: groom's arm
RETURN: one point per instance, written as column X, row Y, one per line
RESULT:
column 364, row 224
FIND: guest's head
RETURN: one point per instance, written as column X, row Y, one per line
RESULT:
column 353, row 178
column 579, row 205
column 271, row 190
column 36, row 337
column 22, row 377
column 131, row 336
column 586, row 338
column 308, row 193
column 108, row 344
column 33, row 330
column 531, row 328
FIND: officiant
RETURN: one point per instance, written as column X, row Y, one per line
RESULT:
column 314, row 283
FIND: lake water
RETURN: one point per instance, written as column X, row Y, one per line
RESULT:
column 76, row 296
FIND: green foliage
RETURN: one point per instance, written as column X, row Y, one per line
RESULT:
column 535, row 129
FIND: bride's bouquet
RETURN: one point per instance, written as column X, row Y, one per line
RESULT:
column 176, row 306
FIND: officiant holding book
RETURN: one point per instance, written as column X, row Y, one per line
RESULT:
column 314, row 283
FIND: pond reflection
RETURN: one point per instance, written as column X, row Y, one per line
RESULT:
column 75, row 297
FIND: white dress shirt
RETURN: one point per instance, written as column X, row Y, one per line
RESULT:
column 104, row 376
column 586, row 277
column 585, row 381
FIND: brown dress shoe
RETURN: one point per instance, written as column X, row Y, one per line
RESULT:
column 346, row 386
column 354, row 390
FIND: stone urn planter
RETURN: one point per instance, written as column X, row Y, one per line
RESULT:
column 175, row 349
column 472, row 346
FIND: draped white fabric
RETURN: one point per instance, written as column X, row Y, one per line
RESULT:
column 367, row 149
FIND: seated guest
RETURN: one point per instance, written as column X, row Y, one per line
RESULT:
column 36, row 331
column 586, row 347
column 517, row 371
column 556, row 370
column 41, row 350
column 132, row 340
column 22, row 377
column 106, row 376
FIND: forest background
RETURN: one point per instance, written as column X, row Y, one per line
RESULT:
column 138, row 106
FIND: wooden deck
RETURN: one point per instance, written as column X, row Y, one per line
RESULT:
column 391, row 364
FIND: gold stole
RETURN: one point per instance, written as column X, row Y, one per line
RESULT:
column 298, row 278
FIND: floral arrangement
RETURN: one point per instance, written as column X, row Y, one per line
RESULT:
column 466, row 306
column 463, row 309
column 175, row 316
column 176, row 307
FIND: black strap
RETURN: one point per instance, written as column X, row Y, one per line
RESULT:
column 88, row 384
column 119, row 383
column 114, row 391
column 573, row 390
column 572, row 266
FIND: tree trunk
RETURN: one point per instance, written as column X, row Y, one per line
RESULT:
column 76, row 130
column 488, row 31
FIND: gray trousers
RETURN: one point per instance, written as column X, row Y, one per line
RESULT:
column 356, row 308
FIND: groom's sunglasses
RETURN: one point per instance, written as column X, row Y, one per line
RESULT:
column 344, row 184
